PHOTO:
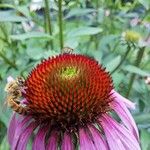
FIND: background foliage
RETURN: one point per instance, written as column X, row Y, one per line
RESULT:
column 115, row 32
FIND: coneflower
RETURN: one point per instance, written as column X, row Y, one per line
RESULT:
column 72, row 105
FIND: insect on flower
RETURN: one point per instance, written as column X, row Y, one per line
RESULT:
column 14, row 92
column 67, row 50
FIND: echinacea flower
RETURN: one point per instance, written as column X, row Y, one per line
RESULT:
column 72, row 105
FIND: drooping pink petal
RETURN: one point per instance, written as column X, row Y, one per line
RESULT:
column 126, row 117
column 111, row 136
column 119, row 97
column 99, row 142
column 39, row 141
column 125, row 135
column 85, row 140
column 67, row 143
column 52, row 143
column 12, row 128
column 19, row 130
column 118, row 137
column 24, row 138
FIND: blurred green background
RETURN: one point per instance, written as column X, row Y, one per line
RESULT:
column 115, row 32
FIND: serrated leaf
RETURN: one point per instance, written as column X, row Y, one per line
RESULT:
column 25, row 36
column 136, row 70
column 81, row 31
column 112, row 64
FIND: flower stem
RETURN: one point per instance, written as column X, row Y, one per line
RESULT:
column 8, row 61
column 48, row 26
column 60, row 22
column 137, row 63
column 123, row 59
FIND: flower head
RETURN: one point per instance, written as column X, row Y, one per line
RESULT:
column 71, row 103
column 131, row 36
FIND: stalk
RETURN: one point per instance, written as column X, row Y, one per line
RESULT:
column 123, row 59
column 48, row 26
column 60, row 22
column 137, row 64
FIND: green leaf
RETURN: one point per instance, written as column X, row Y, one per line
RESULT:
column 112, row 64
column 145, row 3
column 135, row 70
column 11, row 16
column 35, row 52
column 78, row 12
column 25, row 36
column 2, row 131
column 81, row 31
column 72, row 42
column 4, row 145
column 142, row 118
column 145, row 139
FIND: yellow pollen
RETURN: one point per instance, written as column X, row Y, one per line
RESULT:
column 69, row 72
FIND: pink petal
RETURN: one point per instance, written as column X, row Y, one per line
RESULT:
column 127, row 137
column 99, row 142
column 125, row 115
column 111, row 136
column 39, row 142
column 86, row 142
column 12, row 128
column 119, row 97
column 117, row 135
column 52, row 143
column 67, row 143
column 24, row 138
column 19, row 130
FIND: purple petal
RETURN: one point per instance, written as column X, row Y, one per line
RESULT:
column 67, row 143
column 24, row 138
column 125, row 115
column 19, row 130
column 86, row 142
column 39, row 142
column 11, row 129
column 119, row 98
column 118, row 137
column 127, row 137
column 112, row 139
column 99, row 142
column 24, row 101
column 52, row 143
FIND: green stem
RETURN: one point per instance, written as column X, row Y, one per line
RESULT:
column 115, row 46
column 123, row 59
column 48, row 26
column 137, row 63
column 60, row 22
column 45, row 21
column 8, row 61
